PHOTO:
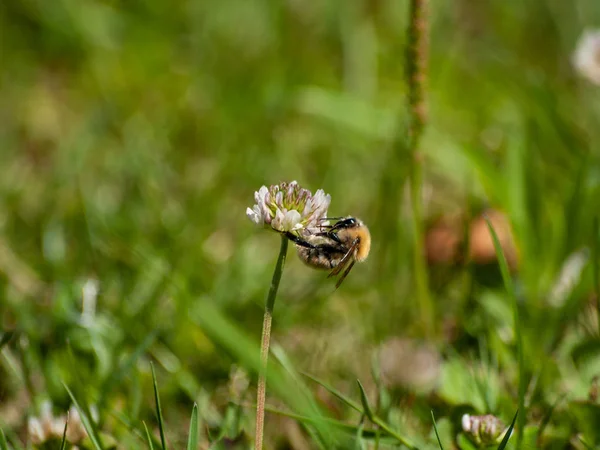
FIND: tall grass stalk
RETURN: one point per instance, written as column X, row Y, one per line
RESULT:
column 264, row 347
column 510, row 288
column 416, row 70
column 595, row 261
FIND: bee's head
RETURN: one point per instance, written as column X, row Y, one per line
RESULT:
column 348, row 222
column 342, row 223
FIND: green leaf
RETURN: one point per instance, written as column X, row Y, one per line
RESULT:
column 587, row 415
column 365, row 401
column 510, row 288
column 464, row 443
column 193, row 436
column 586, row 352
column 148, row 437
column 64, row 436
column 85, row 420
column 3, row 443
column 508, row 433
column 437, row 435
column 158, row 409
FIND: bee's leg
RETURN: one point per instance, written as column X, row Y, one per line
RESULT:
column 344, row 275
column 331, row 235
column 297, row 240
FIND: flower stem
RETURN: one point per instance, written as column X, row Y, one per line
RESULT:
column 416, row 62
column 264, row 347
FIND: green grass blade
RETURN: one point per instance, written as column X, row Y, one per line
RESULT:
column 585, row 443
column 508, row 432
column 3, row 443
column 352, row 404
column 193, row 436
column 78, row 384
column 63, row 443
column 359, row 433
column 158, row 409
column 510, row 288
column 365, row 401
column 546, row 418
column 377, row 438
column 150, row 445
column 6, row 337
column 346, row 427
column 85, row 420
column 124, row 368
column 595, row 261
column 437, row 435
column 280, row 355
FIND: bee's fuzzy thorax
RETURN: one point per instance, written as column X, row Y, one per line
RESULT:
column 361, row 232
column 335, row 247
column 365, row 243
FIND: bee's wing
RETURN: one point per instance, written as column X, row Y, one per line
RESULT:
column 345, row 259
column 345, row 274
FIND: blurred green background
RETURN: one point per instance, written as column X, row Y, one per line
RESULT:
column 134, row 134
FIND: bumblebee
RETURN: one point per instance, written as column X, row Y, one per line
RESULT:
column 335, row 247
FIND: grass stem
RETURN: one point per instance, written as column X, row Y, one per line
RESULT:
column 595, row 257
column 264, row 347
column 416, row 63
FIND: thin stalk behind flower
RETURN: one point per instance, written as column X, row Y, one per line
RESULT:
column 416, row 62
column 265, row 342
column 287, row 209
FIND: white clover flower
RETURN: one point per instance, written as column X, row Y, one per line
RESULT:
column 36, row 431
column 43, row 427
column 288, row 207
column 48, row 427
column 569, row 277
column 75, row 430
column 586, row 58
column 484, row 430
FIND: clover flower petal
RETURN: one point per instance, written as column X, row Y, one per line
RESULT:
column 287, row 207
column 586, row 58
column 484, row 430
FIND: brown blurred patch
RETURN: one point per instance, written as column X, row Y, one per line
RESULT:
column 481, row 245
column 445, row 240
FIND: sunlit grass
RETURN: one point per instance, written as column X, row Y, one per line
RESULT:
column 133, row 136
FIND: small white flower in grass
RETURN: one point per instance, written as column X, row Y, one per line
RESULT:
column 47, row 427
column 484, row 430
column 288, row 207
column 586, row 58
column 36, row 431
column 568, row 278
